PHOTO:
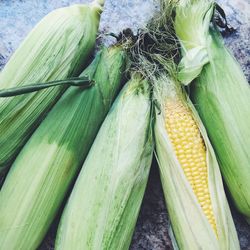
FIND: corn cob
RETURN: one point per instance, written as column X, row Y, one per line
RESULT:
column 104, row 204
column 57, row 48
column 199, row 213
column 43, row 171
column 220, row 93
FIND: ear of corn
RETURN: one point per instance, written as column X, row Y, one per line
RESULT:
column 57, row 48
column 43, row 171
column 192, row 184
column 221, row 95
column 103, row 207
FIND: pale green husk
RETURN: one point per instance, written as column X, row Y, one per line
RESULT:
column 43, row 171
column 102, row 210
column 220, row 93
column 191, row 229
column 57, row 48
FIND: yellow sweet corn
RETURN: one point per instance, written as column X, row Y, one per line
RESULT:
column 42, row 173
column 103, row 207
column 198, row 210
column 57, row 48
column 190, row 151
column 220, row 93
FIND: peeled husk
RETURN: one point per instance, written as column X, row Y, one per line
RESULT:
column 189, row 225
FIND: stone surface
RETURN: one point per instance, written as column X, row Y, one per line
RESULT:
column 238, row 15
column 17, row 17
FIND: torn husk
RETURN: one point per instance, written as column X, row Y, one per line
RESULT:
column 193, row 228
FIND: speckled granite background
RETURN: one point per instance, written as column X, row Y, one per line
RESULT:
column 17, row 17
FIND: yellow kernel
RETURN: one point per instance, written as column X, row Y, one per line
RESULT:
column 190, row 151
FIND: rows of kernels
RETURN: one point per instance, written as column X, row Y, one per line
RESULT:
column 190, row 150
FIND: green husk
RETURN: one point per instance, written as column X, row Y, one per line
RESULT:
column 220, row 93
column 190, row 227
column 57, row 48
column 103, row 207
column 43, row 171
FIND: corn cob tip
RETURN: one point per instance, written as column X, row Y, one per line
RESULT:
column 99, row 2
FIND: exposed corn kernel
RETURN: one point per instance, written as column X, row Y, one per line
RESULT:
column 190, row 151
